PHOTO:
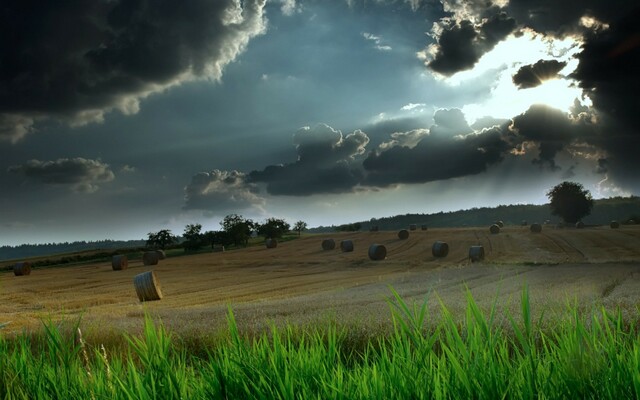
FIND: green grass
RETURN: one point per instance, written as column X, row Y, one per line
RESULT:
column 587, row 355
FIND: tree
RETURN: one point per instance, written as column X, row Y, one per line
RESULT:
column 160, row 239
column 299, row 227
column 273, row 228
column 570, row 201
column 238, row 228
column 193, row 237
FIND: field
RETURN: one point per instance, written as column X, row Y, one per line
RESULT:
column 300, row 283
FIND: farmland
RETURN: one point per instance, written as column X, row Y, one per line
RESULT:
column 298, row 282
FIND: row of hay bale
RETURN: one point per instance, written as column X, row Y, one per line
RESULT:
column 537, row 228
column 120, row 261
column 379, row 252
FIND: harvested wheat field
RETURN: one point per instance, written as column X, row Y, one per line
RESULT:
column 299, row 282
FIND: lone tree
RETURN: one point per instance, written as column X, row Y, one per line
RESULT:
column 160, row 239
column 299, row 227
column 273, row 228
column 570, row 201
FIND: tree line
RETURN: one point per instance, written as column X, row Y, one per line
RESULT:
column 236, row 231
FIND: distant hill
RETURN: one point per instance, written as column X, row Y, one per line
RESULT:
column 604, row 210
column 37, row 250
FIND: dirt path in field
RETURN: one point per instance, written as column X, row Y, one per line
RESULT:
column 301, row 283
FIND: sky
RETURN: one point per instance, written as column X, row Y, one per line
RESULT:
column 123, row 117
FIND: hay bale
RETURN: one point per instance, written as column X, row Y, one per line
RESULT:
column 440, row 249
column 161, row 254
column 413, row 227
column 218, row 249
column 22, row 268
column 328, row 244
column 524, row 222
column 271, row 243
column 377, row 252
column 147, row 286
column 535, row 228
column 119, row 262
column 500, row 224
column 423, row 227
column 150, row 257
column 346, row 246
column 494, row 229
column 580, row 225
column 614, row 224
column 476, row 253
column 374, row 228
column 403, row 234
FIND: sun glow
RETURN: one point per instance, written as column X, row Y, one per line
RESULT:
column 505, row 100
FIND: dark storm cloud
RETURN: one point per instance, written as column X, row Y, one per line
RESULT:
column 222, row 192
column 461, row 43
column 446, row 151
column 78, row 60
column 80, row 174
column 552, row 130
column 530, row 76
column 325, row 164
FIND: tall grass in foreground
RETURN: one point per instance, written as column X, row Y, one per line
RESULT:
column 586, row 356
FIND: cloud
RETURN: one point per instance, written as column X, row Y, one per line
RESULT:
column 446, row 151
column 221, row 192
column 80, row 174
column 377, row 41
column 77, row 61
column 289, row 7
column 461, row 42
column 326, row 164
column 530, row 76
column 608, row 61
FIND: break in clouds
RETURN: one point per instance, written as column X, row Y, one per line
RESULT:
column 609, row 59
column 76, row 61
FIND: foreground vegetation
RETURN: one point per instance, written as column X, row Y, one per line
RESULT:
column 596, row 355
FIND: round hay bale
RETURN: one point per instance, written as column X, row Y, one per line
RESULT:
column 147, row 286
column 423, row 227
column 500, row 224
column 524, row 222
column 403, row 234
column 632, row 222
column 377, row 252
column 614, row 224
column 271, row 243
column 374, row 228
column 440, row 249
column 494, row 229
column 22, row 268
column 580, row 225
column 161, row 254
column 413, row 227
column 536, row 228
column 328, row 244
column 218, row 249
column 150, row 257
column 476, row 253
column 119, row 262
column 346, row 246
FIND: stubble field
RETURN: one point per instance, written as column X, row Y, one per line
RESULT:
column 298, row 282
